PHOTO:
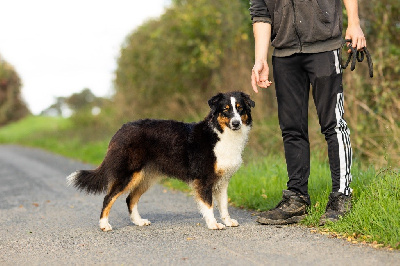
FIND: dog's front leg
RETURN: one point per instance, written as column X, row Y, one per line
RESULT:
column 220, row 193
column 204, row 202
column 208, row 214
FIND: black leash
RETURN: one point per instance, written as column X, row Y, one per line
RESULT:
column 355, row 55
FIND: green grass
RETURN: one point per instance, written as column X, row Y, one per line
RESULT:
column 258, row 185
column 24, row 131
column 375, row 216
column 54, row 134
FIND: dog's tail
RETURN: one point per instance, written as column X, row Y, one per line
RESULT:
column 91, row 181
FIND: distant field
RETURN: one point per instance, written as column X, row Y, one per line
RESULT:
column 54, row 134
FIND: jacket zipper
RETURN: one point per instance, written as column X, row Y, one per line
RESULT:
column 295, row 26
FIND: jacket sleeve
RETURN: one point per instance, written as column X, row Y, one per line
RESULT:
column 259, row 12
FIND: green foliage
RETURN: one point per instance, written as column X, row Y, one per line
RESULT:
column 168, row 64
column 11, row 106
column 374, row 104
column 376, row 212
column 81, row 100
column 92, row 114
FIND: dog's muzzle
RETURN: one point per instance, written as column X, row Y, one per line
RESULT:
column 236, row 124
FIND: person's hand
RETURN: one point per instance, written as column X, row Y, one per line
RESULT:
column 356, row 35
column 259, row 75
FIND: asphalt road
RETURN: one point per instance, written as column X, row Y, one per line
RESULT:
column 42, row 221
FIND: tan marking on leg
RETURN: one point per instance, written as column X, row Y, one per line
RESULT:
column 133, row 208
column 107, row 209
column 135, row 196
column 149, row 178
column 136, row 179
column 196, row 186
column 205, row 209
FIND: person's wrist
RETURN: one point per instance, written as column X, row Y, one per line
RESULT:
column 354, row 23
column 260, row 60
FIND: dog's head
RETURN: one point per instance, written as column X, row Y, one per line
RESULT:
column 231, row 110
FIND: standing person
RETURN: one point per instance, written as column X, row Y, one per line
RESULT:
column 307, row 36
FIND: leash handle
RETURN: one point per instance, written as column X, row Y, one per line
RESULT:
column 355, row 56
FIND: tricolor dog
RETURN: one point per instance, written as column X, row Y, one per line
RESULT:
column 204, row 154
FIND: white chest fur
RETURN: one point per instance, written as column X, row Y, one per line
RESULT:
column 228, row 150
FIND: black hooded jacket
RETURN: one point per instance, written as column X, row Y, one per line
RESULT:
column 301, row 26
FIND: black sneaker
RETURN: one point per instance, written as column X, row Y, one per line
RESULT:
column 291, row 209
column 338, row 205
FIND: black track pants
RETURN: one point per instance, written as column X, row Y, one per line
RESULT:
column 293, row 76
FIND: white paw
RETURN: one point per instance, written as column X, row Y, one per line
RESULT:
column 216, row 226
column 104, row 225
column 230, row 222
column 142, row 222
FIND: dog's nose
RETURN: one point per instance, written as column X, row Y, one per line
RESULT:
column 235, row 124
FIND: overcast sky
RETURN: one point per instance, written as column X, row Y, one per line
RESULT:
column 59, row 47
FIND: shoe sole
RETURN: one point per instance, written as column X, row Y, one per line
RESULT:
column 291, row 220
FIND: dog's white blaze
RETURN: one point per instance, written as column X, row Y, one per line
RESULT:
column 236, row 116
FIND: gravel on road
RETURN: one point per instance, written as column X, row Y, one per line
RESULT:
column 42, row 221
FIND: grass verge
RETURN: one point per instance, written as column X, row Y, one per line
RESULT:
column 258, row 185
column 374, row 218
column 54, row 134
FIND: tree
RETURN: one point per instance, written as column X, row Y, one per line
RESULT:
column 171, row 65
column 80, row 102
column 11, row 105
column 374, row 104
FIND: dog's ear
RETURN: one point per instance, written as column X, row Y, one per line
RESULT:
column 213, row 102
column 249, row 102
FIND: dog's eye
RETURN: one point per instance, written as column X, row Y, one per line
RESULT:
column 225, row 111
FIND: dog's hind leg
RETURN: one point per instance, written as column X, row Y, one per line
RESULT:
column 116, row 190
column 220, row 193
column 204, row 202
column 109, row 200
column 132, row 202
